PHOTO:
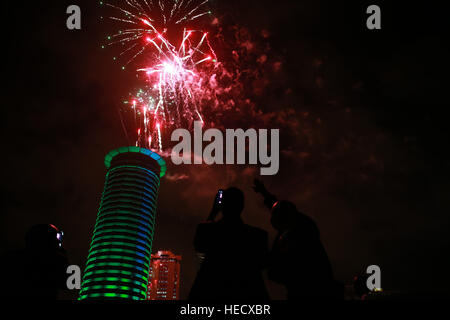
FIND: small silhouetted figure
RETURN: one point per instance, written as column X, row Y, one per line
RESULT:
column 38, row 271
column 234, row 254
column 298, row 259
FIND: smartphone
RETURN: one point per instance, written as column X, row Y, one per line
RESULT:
column 59, row 237
column 219, row 197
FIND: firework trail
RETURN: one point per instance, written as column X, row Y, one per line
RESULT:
column 175, row 57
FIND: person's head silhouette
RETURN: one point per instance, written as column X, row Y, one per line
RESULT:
column 284, row 215
column 233, row 203
column 45, row 237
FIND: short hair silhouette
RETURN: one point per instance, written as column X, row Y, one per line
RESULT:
column 233, row 203
column 43, row 237
column 284, row 213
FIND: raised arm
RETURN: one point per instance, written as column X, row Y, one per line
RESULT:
column 269, row 199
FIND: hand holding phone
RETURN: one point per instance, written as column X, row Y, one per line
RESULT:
column 218, row 200
column 219, row 197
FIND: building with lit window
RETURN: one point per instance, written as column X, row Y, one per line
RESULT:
column 164, row 279
column 119, row 257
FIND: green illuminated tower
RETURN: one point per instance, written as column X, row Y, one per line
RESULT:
column 118, row 262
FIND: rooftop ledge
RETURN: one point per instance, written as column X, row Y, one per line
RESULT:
column 144, row 151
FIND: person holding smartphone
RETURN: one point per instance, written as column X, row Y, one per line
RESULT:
column 234, row 253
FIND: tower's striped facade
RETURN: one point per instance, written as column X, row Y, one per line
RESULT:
column 119, row 257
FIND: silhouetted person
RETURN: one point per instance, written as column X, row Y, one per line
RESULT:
column 298, row 259
column 360, row 288
column 38, row 271
column 234, row 254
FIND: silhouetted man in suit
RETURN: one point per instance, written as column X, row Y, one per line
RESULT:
column 298, row 259
column 234, row 254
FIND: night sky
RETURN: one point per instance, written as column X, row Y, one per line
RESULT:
column 362, row 119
